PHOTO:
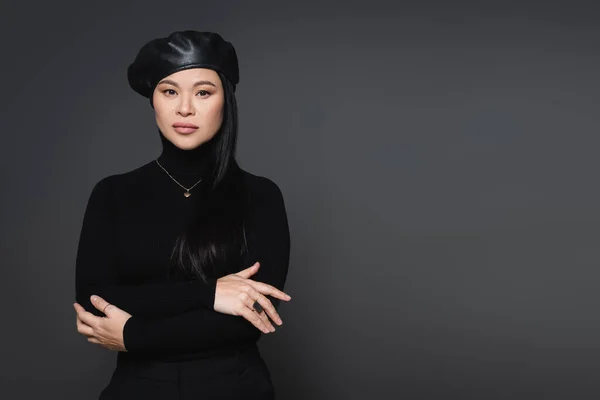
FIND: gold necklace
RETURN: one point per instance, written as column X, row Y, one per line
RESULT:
column 187, row 190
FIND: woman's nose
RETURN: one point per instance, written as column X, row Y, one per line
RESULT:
column 185, row 107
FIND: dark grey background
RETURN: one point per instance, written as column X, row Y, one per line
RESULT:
column 439, row 163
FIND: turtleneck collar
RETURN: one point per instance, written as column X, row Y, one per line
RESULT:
column 185, row 162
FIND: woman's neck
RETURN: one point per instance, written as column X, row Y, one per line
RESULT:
column 185, row 162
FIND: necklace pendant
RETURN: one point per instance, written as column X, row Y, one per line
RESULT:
column 187, row 194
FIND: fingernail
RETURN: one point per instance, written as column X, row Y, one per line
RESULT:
column 94, row 298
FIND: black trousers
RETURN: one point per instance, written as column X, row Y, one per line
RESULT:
column 241, row 374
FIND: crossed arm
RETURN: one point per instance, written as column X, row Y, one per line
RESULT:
column 179, row 316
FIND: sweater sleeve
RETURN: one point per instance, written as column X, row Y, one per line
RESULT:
column 268, row 239
column 96, row 270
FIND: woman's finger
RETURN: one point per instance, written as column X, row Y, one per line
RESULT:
column 86, row 317
column 99, row 303
column 253, row 297
column 84, row 329
column 263, row 316
column 248, row 272
column 267, row 306
column 270, row 309
column 93, row 340
column 269, row 290
column 254, row 319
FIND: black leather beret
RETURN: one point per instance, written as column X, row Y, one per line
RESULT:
column 181, row 50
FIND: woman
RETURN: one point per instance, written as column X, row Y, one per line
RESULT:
column 176, row 258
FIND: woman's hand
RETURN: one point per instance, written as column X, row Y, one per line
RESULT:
column 106, row 331
column 236, row 294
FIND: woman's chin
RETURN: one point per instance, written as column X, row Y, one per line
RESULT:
column 187, row 142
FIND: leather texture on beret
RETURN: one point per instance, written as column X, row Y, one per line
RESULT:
column 181, row 50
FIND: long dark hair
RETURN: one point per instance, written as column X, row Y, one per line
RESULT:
column 213, row 243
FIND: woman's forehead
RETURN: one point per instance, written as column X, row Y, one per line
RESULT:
column 193, row 76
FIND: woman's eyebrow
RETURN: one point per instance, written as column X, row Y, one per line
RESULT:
column 195, row 84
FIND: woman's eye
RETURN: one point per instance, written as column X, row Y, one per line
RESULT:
column 171, row 92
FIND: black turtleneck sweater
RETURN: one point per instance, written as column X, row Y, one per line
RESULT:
column 129, row 228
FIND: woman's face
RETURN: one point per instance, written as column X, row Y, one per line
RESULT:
column 190, row 97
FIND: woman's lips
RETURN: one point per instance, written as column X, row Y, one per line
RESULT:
column 184, row 128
